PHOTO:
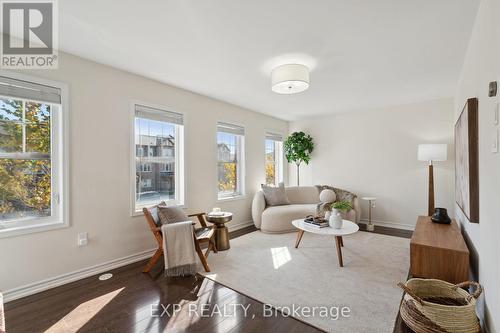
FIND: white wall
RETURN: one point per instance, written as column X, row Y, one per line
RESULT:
column 482, row 65
column 100, row 98
column 374, row 153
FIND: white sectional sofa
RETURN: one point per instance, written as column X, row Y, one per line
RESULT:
column 303, row 201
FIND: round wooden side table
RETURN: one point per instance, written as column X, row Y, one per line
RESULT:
column 221, row 233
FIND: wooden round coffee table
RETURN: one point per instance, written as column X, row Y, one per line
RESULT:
column 348, row 228
column 221, row 233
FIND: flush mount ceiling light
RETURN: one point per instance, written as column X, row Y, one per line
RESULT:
column 290, row 79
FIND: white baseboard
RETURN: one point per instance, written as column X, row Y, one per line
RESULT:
column 36, row 287
column 240, row 225
column 395, row 225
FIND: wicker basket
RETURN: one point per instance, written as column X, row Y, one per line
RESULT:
column 436, row 306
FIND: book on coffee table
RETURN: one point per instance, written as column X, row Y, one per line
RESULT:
column 316, row 224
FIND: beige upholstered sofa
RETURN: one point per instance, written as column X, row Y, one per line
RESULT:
column 303, row 201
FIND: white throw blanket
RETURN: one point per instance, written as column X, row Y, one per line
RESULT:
column 178, row 249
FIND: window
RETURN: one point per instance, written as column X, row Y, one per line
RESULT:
column 145, row 167
column 230, row 161
column 274, row 158
column 146, row 182
column 31, row 157
column 166, row 167
column 158, row 161
column 167, row 151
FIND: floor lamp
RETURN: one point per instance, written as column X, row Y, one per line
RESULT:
column 436, row 152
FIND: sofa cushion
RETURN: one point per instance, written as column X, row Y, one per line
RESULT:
column 279, row 218
column 275, row 196
column 302, row 194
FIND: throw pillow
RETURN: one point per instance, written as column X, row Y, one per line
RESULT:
column 172, row 214
column 341, row 195
column 327, row 196
column 154, row 214
column 275, row 196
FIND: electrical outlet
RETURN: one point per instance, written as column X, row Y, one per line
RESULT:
column 83, row 239
column 492, row 89
column 494, row 141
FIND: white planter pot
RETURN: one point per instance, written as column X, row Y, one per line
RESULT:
column 335, row 220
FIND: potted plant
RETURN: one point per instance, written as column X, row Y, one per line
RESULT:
column 337, row 207
column 298, row 148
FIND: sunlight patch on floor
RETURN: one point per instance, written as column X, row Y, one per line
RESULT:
column 186, row 316
column 281, row 256
column 211, row 276
column 79, row 316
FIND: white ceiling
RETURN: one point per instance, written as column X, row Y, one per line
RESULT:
column 363, row 53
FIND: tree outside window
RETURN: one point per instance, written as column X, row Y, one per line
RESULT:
column 25, row 164
column 229, row 161
column 274, row 159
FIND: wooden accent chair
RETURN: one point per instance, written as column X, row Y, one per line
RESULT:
column 201, row 235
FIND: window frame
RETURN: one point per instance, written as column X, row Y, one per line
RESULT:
column 240, row 164
column 280, row 171
column 59, row 157
column 180, row 157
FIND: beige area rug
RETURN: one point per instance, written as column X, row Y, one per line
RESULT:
column 268, row 268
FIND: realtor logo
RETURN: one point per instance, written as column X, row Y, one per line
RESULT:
column 29, row 39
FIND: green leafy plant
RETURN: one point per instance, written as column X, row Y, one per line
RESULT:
column 343, row 206
column 298, row 148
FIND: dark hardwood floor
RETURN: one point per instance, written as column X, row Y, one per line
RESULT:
column 388, row 231
column 133, row 302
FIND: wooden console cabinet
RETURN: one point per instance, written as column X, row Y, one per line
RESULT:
column 438, row 251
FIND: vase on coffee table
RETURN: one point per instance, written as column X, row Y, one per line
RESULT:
column 335, row 220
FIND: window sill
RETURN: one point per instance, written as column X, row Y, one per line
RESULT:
column 233, row 198
column 13, row 231
column 140, row 213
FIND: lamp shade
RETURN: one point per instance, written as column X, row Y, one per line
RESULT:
column 290, row 79
column 433, row 152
